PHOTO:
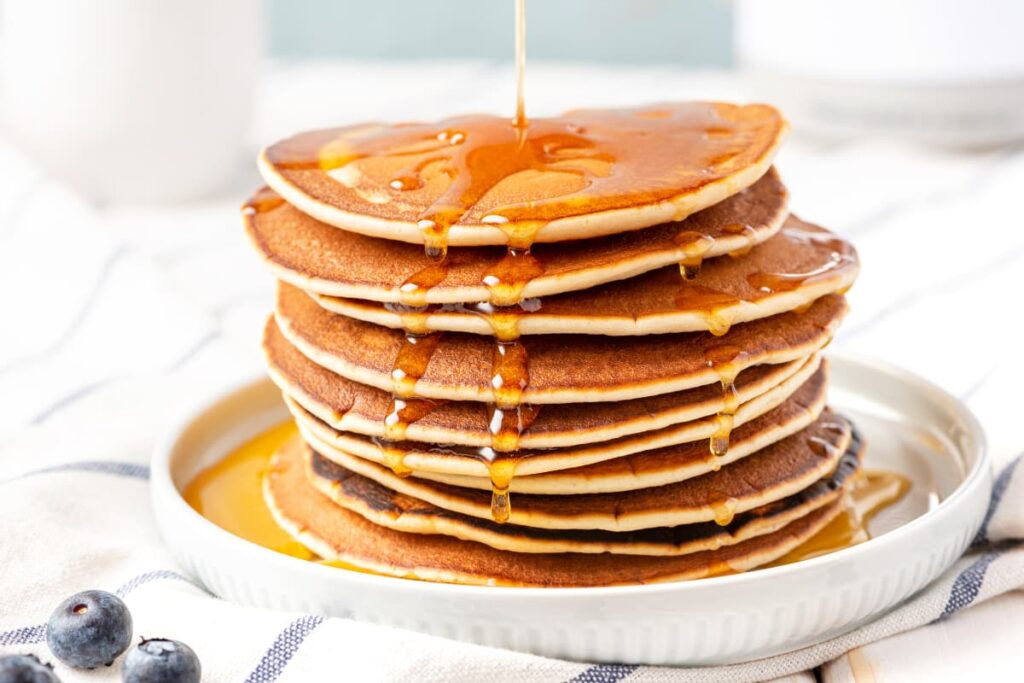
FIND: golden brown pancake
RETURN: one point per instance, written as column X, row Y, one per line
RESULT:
column 352, row 407
column 561, row 368
column 585, row 174
column 341, row 536
column 770, row 474
column 797, row 401
column 386, row 507
column 319, row 258
column 799, row 264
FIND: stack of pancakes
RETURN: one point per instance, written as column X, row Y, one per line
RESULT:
column 582, row 353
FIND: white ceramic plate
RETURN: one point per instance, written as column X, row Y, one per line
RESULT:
column 911, row 426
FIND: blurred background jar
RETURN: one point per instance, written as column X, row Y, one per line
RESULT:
column 948, row 72
column 131, row 100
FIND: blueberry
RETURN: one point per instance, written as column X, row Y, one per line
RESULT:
column 89, row 629
column 25, row 669
column 161, row 661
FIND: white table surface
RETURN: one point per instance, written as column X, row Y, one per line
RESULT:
column 940, row 234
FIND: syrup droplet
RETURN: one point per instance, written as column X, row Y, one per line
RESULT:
column 724, row 510
column 404, row 412
column 726, row 361
column 411, row 362
column 501, row 472
column 712, row 304
column 414, row 318
column 264, row 201
column 506, row 279
column 413, row 292
column 394, row 457
column 510, row 375
column 694, row 246
column 723, row 430
column 508, row 424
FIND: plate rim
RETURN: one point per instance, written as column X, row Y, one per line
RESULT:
column 164, row 491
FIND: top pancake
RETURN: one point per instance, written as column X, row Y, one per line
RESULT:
column 318, row 258
column 480, row 180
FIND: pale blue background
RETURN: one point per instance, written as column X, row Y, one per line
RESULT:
column 689, row 32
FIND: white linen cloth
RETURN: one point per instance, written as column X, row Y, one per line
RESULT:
column 114, row 319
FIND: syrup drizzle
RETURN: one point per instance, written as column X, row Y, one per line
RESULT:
column 872, row 491
column 413, row 292
column 725, row 361
column 694, row 245
column 709, row 303
column 520, row 120
column 506, row 279
column 263, row 201
column 839, row 257
column 410, row 363
column 509, row 418
column 724, row 510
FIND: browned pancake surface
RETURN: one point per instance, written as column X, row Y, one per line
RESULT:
column 363, row 409
column 337, row 534
column 384, row 506
column 321, row 258
column 666, row 452
column 608, row 161
column 774, row 472
column 562, row 368
column 799, row 264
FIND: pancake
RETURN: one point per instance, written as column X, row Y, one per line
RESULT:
column 775, row 471
column 560, row 368
column 344, row 537
column 797, row 400
column 352, row 407
column 319, row 258
column 388, row 508
column 658, row 466
column 479, row 180
column 799, row 264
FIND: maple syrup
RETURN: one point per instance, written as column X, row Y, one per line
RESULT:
column 725, row 361
column 411, row 362
column 506, row 279
column 694, row 246
column 230, row 493
column 520, row 119
column 413, row 292
column 872, row 491
column 509, row 418
column 264, row 201
column 774, row 283
column 601, row 160
column 724, row 510
column 414, row 318
column 709, row 303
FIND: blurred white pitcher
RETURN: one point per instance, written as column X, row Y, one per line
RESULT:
column 131, row 100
